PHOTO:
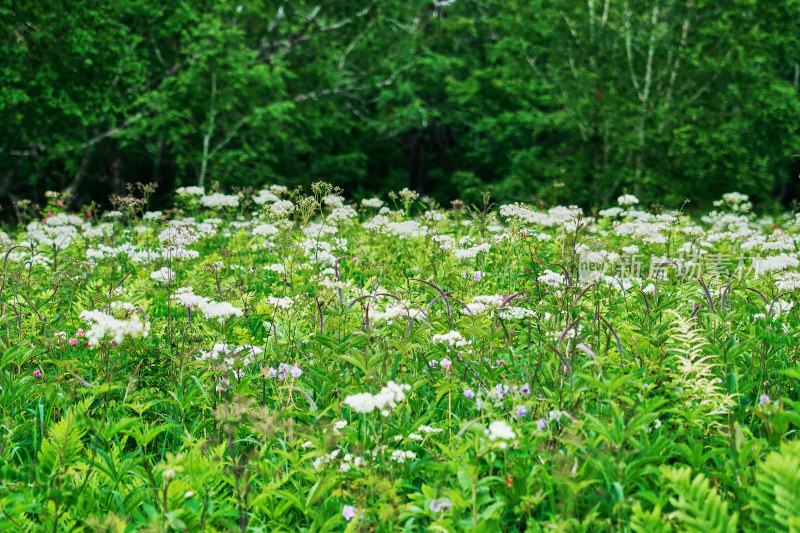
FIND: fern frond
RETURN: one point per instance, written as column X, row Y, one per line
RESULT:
column 695, row 368
column 63, row 443
column 699, row 507
column 776, row 493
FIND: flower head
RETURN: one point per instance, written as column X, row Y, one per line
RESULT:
column 348, row 512
column 440, row 505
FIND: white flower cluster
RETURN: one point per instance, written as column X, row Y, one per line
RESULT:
column 211, row 309
column 787, row 281
column 281, row 303
column 264, row 196
column 277, row 268
column 56, row 236
column 627, row 199
column 452, row 339
column 774, row 263
column 174, row 240
column 522, row 214
column 318, row 252
column 314, row 229
column 401, row 456
column 500, row 430
column 102, row 325
column 397, row 310
column 265, row 230
column 175, row 235
column 407, row 228
column 554, row 279
column 483, row 303
column 471, row 252
column 342, row 214
column 229, row 357
column 218, row 200
column 736, row 201
column 649, row 232
column 372, row 202
column 281, row 209
column 512, row 312
column 435, row 216
column 190, row 191
column 333, row 200
column 101, row 251
column 611, row 212
column 163, row 275
column 445, row 242
column 387, row 398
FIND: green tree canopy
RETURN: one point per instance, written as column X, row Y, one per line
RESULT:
column 557, row 101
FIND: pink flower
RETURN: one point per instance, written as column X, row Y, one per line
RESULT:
column 73, row 342
column 113, row 343
column 60, row 203
column 37, row 373
column 356, row 260
column 80, row 332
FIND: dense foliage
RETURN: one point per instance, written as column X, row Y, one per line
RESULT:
column 561, row 101
column 291, row 362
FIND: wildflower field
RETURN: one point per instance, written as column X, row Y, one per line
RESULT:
column 280, row 360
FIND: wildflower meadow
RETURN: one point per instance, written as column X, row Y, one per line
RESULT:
column 286, row 360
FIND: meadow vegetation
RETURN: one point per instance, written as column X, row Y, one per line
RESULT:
column 285, row 360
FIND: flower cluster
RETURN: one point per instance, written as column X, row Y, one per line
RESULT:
column 388, row 397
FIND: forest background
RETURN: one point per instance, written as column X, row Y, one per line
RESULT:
column 539, row 101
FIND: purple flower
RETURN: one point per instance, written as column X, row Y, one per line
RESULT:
column 468, row 394
column 446, row 363
column 271, row 372
column 541, row 425
column 555, row 414
column 521, row 411
column 440, row 505
column 525, row 390
column 498, row 389
column 477, row 276
column 432, row 363
column 296, row 372
column 763, row 399
column 348, row 512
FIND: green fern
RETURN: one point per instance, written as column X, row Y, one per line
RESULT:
column 699, row 508
column 63, row 443
column 696, row 379
column 648, row 521
column 776, row 493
